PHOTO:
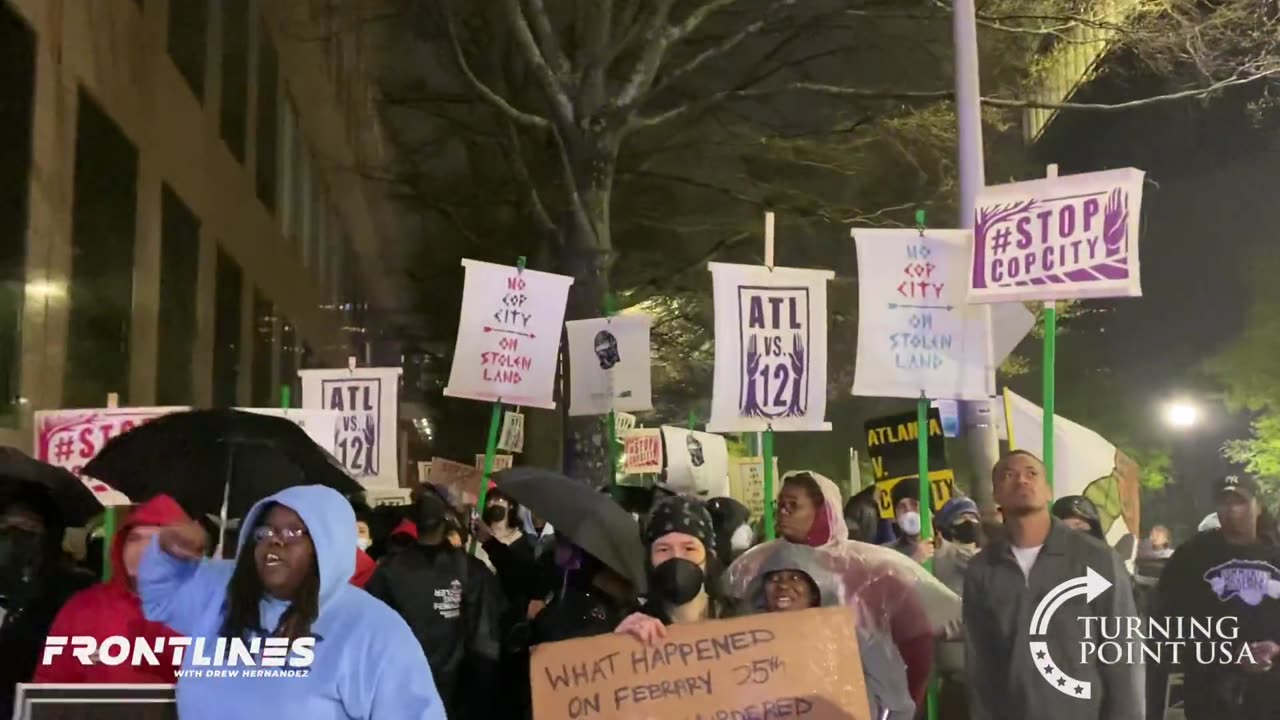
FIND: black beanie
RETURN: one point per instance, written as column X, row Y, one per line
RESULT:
column 679, row 514
column 907, row 488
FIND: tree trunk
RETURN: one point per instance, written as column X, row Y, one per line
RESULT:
column 590, row 158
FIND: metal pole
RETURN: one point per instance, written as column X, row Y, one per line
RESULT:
column 980, row 430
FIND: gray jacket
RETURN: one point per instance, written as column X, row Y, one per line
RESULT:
column 1005, row 681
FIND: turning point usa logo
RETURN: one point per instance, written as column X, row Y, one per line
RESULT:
column 235, row 654
column 1129, row 640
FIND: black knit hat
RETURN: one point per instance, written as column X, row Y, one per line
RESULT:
column 679, row 514
column 907, row 488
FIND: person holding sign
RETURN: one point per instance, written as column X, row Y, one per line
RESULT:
column 906, row 518
column 792, row 579
column 682, row 569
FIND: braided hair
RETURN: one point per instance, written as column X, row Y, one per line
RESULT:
column 244, row 594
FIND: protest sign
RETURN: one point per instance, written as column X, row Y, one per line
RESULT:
column 917, row 336
column 1058, row 238
column 367, row 401
column 609, row 364
column 622, row 423
column 942, row 487
column 891, row 445
column 746, row 483
column 775, row 665
column 508, row 340
column 771, row 349
column 320, row 425
column 461, row 480
column 949, row 412
column 697, row 462
column 71, row 438
column 643, row 451
column 500, row 462
column 511, row 438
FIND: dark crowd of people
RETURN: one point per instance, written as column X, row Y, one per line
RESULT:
column 418, row 612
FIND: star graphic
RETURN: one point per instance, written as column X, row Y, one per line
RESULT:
column 1040, row 655
column 1048, row 669
column 1062, row 682
column 1079, row 690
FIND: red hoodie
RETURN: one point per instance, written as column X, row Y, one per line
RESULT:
column 113, row 608
column 364, row 568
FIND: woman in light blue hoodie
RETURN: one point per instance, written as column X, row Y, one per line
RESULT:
column 289, row 581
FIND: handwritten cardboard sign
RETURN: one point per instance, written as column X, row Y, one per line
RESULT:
column 643, row 450
column 797, row 664
column 508, row 339
column 461, row 480
column 500, row 462
column 917, row 336
column 1069, row 237
column 746, row 482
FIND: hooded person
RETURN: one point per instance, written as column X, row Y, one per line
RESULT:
column 731, row 521
column 890, row 592
column 35, row 582
column 680, row 540
column 365, row 566
column 862, row 516
column 113, row 607
column 1079, row 513
column 289, row 581
column 906, row 519
column 453, row 604
column 791, row 579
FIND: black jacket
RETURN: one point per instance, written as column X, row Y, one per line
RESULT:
column 453, row 604
column 26, row 625
column 1210, row 578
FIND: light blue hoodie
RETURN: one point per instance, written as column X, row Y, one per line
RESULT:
column 368, row 665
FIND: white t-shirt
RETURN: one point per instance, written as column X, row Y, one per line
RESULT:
column 1026, row 557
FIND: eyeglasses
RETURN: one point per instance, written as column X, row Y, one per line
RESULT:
column 288, row 536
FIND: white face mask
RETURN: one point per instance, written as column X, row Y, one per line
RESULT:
column 910, row 523
column 742, row 539
column 363, row 543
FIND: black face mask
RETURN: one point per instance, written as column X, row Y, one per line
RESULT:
column 677, row 581
column 965, row 533
column 19, row 550
column 496, row 514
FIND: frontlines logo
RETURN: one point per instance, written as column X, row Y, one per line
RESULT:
column 1130, row 640
column 233, row 654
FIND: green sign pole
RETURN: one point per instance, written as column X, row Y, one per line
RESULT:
column 1050, row 355
column 612, row 429
column 926, row 496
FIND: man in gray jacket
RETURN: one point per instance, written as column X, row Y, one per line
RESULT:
column 1044, row 574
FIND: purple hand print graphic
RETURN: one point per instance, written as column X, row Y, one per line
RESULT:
column 775, row 359
column 751, row 406
column 1115, row 223
column 795, row 408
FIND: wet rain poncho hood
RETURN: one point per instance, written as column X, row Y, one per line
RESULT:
column 366, row 663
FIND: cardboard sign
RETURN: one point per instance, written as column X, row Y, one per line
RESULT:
column 609, row 360
column 771, row 349
column 367, row 401
column 917, row 335
column 773, row 665
column 1070, row 237
column 746, row 483
column 891, row 445
column 461, row 480
column 512, row 437
column 643, row 450
column 500, row 462
column 942, row 486
column 508, row 340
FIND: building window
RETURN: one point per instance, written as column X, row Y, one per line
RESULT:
column 188, row 41
column 264, row 336
column 179, row 268
column 268, row 101
column 17, row 77
column 235, row 75
column 289, row 358
column 288, row 168
column 226, row 331
column 102, row 231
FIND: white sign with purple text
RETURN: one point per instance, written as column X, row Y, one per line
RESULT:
column 320, row 425
column 1061, row 238
column 508, row 341
column 771, row 349
column 367, row 401
column 917, row 337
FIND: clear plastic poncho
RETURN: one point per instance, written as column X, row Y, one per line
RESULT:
column 890, row 593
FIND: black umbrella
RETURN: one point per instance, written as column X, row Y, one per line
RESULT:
column 74, row 500
column 202, row 457
column 588, row 518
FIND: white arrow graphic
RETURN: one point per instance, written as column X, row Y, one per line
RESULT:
column 1091, row 586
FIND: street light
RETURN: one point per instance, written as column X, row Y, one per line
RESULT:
column 1181, row 415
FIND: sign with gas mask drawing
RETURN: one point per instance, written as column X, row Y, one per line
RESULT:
column 609, row 365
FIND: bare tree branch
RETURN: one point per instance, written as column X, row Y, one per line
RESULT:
column 646, row 68
column 561, row 106
column 729, row 43
column 540, row 21
column 525, row 178
column 594, row 58
column 489, row 96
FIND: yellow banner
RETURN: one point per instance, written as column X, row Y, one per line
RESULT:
column 942, row 483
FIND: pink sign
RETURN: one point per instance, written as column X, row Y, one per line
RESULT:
column 71, row 438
